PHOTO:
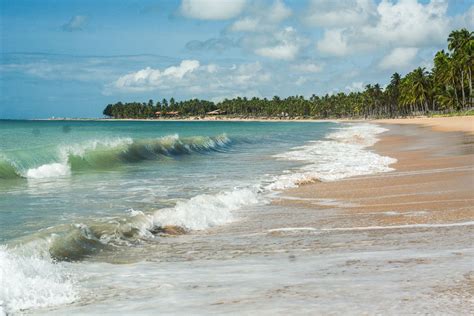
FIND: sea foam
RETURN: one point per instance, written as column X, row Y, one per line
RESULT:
column 32, row 282
column 204, row 211
column 344, row 153
column 52, row 170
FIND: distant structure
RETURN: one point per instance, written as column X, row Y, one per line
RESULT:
column 165, row 114
column 216, row 112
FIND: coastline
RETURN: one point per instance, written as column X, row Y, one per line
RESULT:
column 398, row 242
column 433, row 173
column 424, row 208
column 453, row 123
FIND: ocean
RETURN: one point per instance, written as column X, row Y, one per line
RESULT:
column 82, row 204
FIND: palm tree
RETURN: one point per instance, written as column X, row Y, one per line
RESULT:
column 460, row 44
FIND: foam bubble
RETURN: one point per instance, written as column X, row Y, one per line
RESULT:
column 204, row 211
column 342, row 154
column 32, row 282
column 52, row 170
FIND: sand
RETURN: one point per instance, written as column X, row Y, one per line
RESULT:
column 445, row 124
column 433, row 183
column 424, row 209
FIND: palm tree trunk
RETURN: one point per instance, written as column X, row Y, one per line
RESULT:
column 455, row 92
column 462, row 90
column 470, row 87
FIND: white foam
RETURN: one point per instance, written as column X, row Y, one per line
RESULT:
column 342, row 154
column 52, row 170
column 458, row 224
column 81, row 148
column 291, row 229
column 204, row 211
column 32, row 282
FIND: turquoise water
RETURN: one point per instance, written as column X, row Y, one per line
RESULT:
column 68, row 172
column 85, row 202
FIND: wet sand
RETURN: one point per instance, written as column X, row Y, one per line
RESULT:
column 433, row 183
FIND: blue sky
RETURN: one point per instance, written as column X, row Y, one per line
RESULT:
column 71, row 58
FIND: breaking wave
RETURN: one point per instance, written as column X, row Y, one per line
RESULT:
column 39, row 279
column 105, row 154
column 31, row 281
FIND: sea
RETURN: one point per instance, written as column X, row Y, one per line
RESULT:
column 84, row 206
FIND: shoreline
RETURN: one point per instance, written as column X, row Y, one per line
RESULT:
column 447, row 124
column 429, row 153
column 398, row 242
column 424, row 209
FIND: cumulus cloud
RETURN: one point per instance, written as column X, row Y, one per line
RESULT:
column 362, row 25
column 283, row 45
column 212, row 9
column 259, row 31
column 262, row 18
column 150, row 79
column 193, row 78
column 76, row 23
column 246, row 24
column 400, row 57
column 333, row 43
column 328, row 13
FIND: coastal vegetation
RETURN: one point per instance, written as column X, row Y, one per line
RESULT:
column 445, row 89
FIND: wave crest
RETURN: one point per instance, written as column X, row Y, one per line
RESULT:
column 105, row 154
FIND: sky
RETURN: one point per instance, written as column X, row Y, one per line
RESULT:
column 72, row 58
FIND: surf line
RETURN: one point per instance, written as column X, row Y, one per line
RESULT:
column 289, row 229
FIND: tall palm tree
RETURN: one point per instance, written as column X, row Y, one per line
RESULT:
column 460, row 44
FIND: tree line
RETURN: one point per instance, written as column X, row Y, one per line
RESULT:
column 446, row 88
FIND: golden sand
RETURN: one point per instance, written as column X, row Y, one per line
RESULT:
column 444, row 124
column 433, row 181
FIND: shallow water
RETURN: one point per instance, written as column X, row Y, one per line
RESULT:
column 75, row 195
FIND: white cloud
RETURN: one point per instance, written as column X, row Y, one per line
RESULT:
column 355, row 86
column 76, row 23
column 193, row 78
column 328, row 13
column 284, row 45
column 333, row 43
column 285, row 51
column 212, row 9
column 465, row 20
column 150, row 79
column 409, row 23
column 246, row 24
column 277, row 12
column 364, row 26
column 301, row 81
column 307, row 68
column 262, row 19
column 400, row 57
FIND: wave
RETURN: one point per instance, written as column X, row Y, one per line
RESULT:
column 344, row 153
column 106, row 154
column 31, row 281
column 39, row 280
column 36, row 276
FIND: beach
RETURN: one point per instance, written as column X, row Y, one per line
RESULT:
column 420, row 216
column 370, row 218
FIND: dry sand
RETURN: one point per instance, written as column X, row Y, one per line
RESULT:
column 433, row 182
column 444, row 124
